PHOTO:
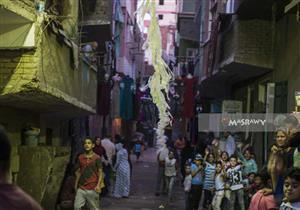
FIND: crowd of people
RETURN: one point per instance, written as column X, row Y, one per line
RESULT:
column 217, row 177
column 228, row 177
column 102, row 162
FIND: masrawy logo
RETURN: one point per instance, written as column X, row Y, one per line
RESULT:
column 241, row 122
column 246, row 122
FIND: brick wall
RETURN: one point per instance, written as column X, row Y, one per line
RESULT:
column 248, row 42
column 17, row 68
column 254, row 42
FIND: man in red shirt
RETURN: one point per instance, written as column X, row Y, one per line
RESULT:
column 11, row 196
column 88, row 178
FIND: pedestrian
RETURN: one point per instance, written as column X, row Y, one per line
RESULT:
column 291, row 190
column 89, row 178
column 280, row 159
column 170, row 173
column 162, row 154
column 186, row 154
column 262, row 199
column 100, row 150
column 209, row 179
column 224, row 158
column 294, row 141
column 230, row 145
column 249, row 164
column 110, row 151
column 11, row 196
column 235, row 175
column 219, row 186
column 137, row 149
column 197, row 181
column 249, row 188
column 179, row 145
column 187, row 186
column 122, row 168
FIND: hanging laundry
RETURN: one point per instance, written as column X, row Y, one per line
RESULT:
column 126, row 98
column 115, row 109
column 189, row 96
column 104, row 95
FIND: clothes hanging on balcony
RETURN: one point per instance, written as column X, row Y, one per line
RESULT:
column 126, row 98
column 115, row 111
column 183, row 70
column 191, row 67
column 188, row 97
column 104, row 95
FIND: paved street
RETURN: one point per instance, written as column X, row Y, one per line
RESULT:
column 143, row 188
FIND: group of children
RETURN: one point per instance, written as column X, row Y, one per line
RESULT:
column 234, row 182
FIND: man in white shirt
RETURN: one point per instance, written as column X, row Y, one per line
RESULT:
column 230, row 145
column 110, row 149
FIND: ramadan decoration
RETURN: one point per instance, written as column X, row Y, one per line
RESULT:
column 160, row 80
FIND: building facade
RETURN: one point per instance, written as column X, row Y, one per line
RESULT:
column 187, row 37
column 47, row 90
column 248, row 55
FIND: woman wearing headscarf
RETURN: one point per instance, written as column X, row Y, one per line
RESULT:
column 122, row 168
column 280, row 159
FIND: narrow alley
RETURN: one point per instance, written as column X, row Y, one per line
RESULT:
column 149, row 104
column 142, row 196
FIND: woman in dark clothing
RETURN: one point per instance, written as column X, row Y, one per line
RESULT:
column 280, row 159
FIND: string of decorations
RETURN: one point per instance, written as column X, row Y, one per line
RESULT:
column 159, row 81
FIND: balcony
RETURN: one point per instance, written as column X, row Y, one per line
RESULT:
column 44, row 77
column 257, row 9
column 187, row 8
column 246, row 49
column 96, row 12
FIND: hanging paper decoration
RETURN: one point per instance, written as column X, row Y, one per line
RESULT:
column 159, row 81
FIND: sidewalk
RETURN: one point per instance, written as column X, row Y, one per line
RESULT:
column 143, row 184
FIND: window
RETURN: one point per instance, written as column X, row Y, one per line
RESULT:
column 161, row 2
column 160, row 17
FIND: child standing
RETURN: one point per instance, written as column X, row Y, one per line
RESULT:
column 249, row 164
column 138, row 149
column 219, row 187
column 209, row 179
column 234, row 173
column 262, row 199
column 291, row 190
column 249, row 188
column 224, row 158
column 197, row 181
column 88, row 178
column 187, row 187
column 170, row 173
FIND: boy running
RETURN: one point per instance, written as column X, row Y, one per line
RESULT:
column 88, row 178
